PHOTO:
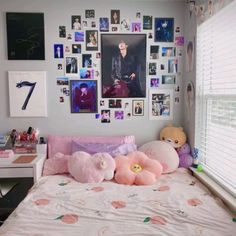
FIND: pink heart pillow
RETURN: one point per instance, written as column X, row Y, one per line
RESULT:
column 86, row 168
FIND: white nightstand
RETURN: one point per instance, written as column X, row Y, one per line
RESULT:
column 23, row 170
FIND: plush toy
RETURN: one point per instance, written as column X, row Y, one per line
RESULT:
column 173, row 135
column 137, row 168
column 162, row 152
column 185, row 157
column 86, row 168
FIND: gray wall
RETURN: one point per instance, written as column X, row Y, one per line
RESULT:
column 190, row 29
column 59, row 119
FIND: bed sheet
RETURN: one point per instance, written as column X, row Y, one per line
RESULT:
column 178, row 204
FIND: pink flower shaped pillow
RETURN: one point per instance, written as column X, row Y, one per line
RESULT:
column 86, row 168
column 137, row 168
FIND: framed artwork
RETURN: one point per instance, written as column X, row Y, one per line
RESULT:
column 27, row 93
column 128, row 81
column 58, row 51
column 168, row 79
column 104, row 24
column 161, row 104
column 168, row 51
column 72, row 66
column 83, row 96
column 138, row 107
column 90, row 13
column 147, row 22
column 25, row 36
column 91, row 40
column 164, row 30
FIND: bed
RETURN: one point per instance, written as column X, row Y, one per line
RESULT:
column 177, row 204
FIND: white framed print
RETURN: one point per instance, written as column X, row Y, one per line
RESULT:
column 161, row 104
column 27, row 93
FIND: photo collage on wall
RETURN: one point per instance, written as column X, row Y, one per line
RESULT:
column 125, row 60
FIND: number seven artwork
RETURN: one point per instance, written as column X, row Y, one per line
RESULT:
column 27, row 93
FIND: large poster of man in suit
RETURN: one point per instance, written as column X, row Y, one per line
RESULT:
column 123, row 65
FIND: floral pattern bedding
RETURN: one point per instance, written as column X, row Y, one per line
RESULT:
column 178, row 204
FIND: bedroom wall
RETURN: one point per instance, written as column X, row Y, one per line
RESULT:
column 59, row 119
column 190, row 32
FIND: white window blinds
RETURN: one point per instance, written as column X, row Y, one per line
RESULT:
column 216, row 96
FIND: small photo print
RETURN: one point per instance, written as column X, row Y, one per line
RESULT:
column 91, row 40
column 72, row 66
column 87, row 60
column 177, row 89
column 119, row 115
column 59, row 66
column 104, row 24
column 85, row 24
column 102, row 103
column 90, row 13
column 138, row 15
column 67, row 49
column 168, row 51
column 69, row 37
column 177, row 100
column 152, row 68
column 177, row 29
column 168, row 79
column 105, row 116
column 115, row 17
column 136, row 27
column 154, row 52
column 126, row 105
column 76, row 48
column 138, row 107
column 79, row 36
column 76, row 22
column 161, row 105
column 62, row 31
column 162, row 66
column 86, row 73
column 125, row 25
column 147, row 22
column 150, row 35
column 63, row 81
column 154, row 82
column 61, row 99
column 58, row 51
column 114, row 103
column 179, row 41
column 173, row 66
column 93, row 24
column 114, row 28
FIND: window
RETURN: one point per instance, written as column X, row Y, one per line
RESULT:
column 216, row 96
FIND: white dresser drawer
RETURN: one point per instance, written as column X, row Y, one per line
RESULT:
column 16, row 172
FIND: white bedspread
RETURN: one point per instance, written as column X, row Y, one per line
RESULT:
column 176, row 205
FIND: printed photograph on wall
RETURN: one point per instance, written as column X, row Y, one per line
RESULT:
column 123, row 58
column 90, row 13
column 62, row 31
column 168, row 79
column 138, row 107
column 83, row 96
column 58, row 51
column 91, row 40
column 105, row 116
column 76, row 22
column 154, row 82
column 104, row 24
column 164, row 29
column 154, row 52
column 168, row 51
column 147, row 22
column 72, row 66
column 161, row 105
column 25, row 36
column 115, row 16
column 190, row 56
column 27, row 93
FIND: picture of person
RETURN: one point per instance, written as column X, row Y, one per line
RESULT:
column 147, row 22
column 105, row 116
column 119, row 115
column 58, row 51
column 154, row 52
column 123, row 65
column 104, row 24
column 138, row 108
column 190, row 52
column 87, row 60
column 76, row 22
column 115, row 17
column 72, row 65
column 152, row 68
column 136, row 27
column 76, row 48
column 168, row 51
column 125, row 25
column 91, row 40
column 83, row 96
column 164, row 29
column 189, row 95
column 89, row 13
column 173, row 66
column 155, row 82
column 62, row 31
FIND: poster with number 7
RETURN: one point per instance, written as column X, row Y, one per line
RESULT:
column 27, row 93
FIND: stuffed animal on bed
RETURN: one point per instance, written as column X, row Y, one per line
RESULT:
column 175, row 136
column 185, row 157
column 162, row 152
column 86, row 168
column 137, row 168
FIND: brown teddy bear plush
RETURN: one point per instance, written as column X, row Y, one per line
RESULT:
column 175, row 136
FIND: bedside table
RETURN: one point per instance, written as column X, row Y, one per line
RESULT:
column 8, row 169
